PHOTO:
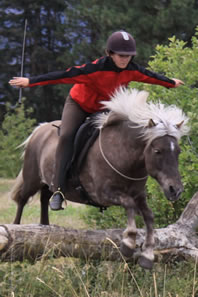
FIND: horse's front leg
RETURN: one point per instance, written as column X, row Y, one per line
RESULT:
column 112, row 197
column 147, row 256
column 129, row 236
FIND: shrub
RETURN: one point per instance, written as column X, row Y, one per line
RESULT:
column 17, row 125
column 179, row 61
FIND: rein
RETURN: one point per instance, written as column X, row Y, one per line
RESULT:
column 112, row 167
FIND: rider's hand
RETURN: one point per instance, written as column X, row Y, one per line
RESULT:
column 178, row 82
column 19, row 82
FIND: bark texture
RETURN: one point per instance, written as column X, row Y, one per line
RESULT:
column 19, row 242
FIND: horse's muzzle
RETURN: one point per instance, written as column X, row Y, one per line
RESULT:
column 173, row 193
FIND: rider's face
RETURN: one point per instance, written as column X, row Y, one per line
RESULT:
column 121, row 61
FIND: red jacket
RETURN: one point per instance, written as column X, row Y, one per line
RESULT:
column 97, row 81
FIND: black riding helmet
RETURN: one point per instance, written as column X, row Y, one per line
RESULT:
column 121, row 43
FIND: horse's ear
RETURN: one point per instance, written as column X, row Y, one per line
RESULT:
column 151, row 124
column 178, row 126
column 112, row 119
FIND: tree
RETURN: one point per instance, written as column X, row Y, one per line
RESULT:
column 46, row 40
column 64, row 33
column 150, row 22
column 19, row 242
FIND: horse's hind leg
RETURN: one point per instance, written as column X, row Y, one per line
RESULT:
column 44, row 198
column 21, row 192
column 21, row 202
column 147, row 256
column 17, row 194
column 20, row 206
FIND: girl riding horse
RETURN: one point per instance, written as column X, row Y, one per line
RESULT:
column 93, row 82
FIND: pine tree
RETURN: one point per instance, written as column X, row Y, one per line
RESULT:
column 63, row 33
column 46, row 40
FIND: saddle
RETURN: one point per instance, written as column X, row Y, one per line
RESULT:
column 85, row 137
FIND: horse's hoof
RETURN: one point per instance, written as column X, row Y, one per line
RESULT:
column 126, row 251
column 145, row 263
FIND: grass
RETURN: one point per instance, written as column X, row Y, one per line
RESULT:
column 69, row 277
column 73, row 277
column 69, row 217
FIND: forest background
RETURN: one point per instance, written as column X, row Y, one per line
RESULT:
column 63, row 33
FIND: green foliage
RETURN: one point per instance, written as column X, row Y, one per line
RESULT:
column 112, row 217
column 16, row 127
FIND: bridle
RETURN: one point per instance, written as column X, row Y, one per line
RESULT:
column 112, row 167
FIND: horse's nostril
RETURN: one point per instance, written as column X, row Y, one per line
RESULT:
column 172, row 190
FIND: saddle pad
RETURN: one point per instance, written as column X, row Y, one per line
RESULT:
column 84, row 139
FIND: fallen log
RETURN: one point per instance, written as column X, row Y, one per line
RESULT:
column 19, row 242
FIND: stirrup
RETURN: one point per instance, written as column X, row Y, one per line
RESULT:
column 59, row 192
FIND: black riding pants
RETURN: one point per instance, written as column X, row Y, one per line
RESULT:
column 72, row 117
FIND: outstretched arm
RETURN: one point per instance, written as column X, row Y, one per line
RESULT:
column 72, row 75
column 147, row 76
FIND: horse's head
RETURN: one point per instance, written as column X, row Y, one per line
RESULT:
column 160, row 126
column 161, row 160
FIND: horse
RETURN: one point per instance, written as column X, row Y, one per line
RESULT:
column 136, row 139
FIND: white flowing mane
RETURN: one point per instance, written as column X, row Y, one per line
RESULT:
column 132, row 105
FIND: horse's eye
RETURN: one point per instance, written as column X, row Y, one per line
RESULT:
column 157, row 151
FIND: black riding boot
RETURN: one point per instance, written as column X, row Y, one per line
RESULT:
column 73, row 116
